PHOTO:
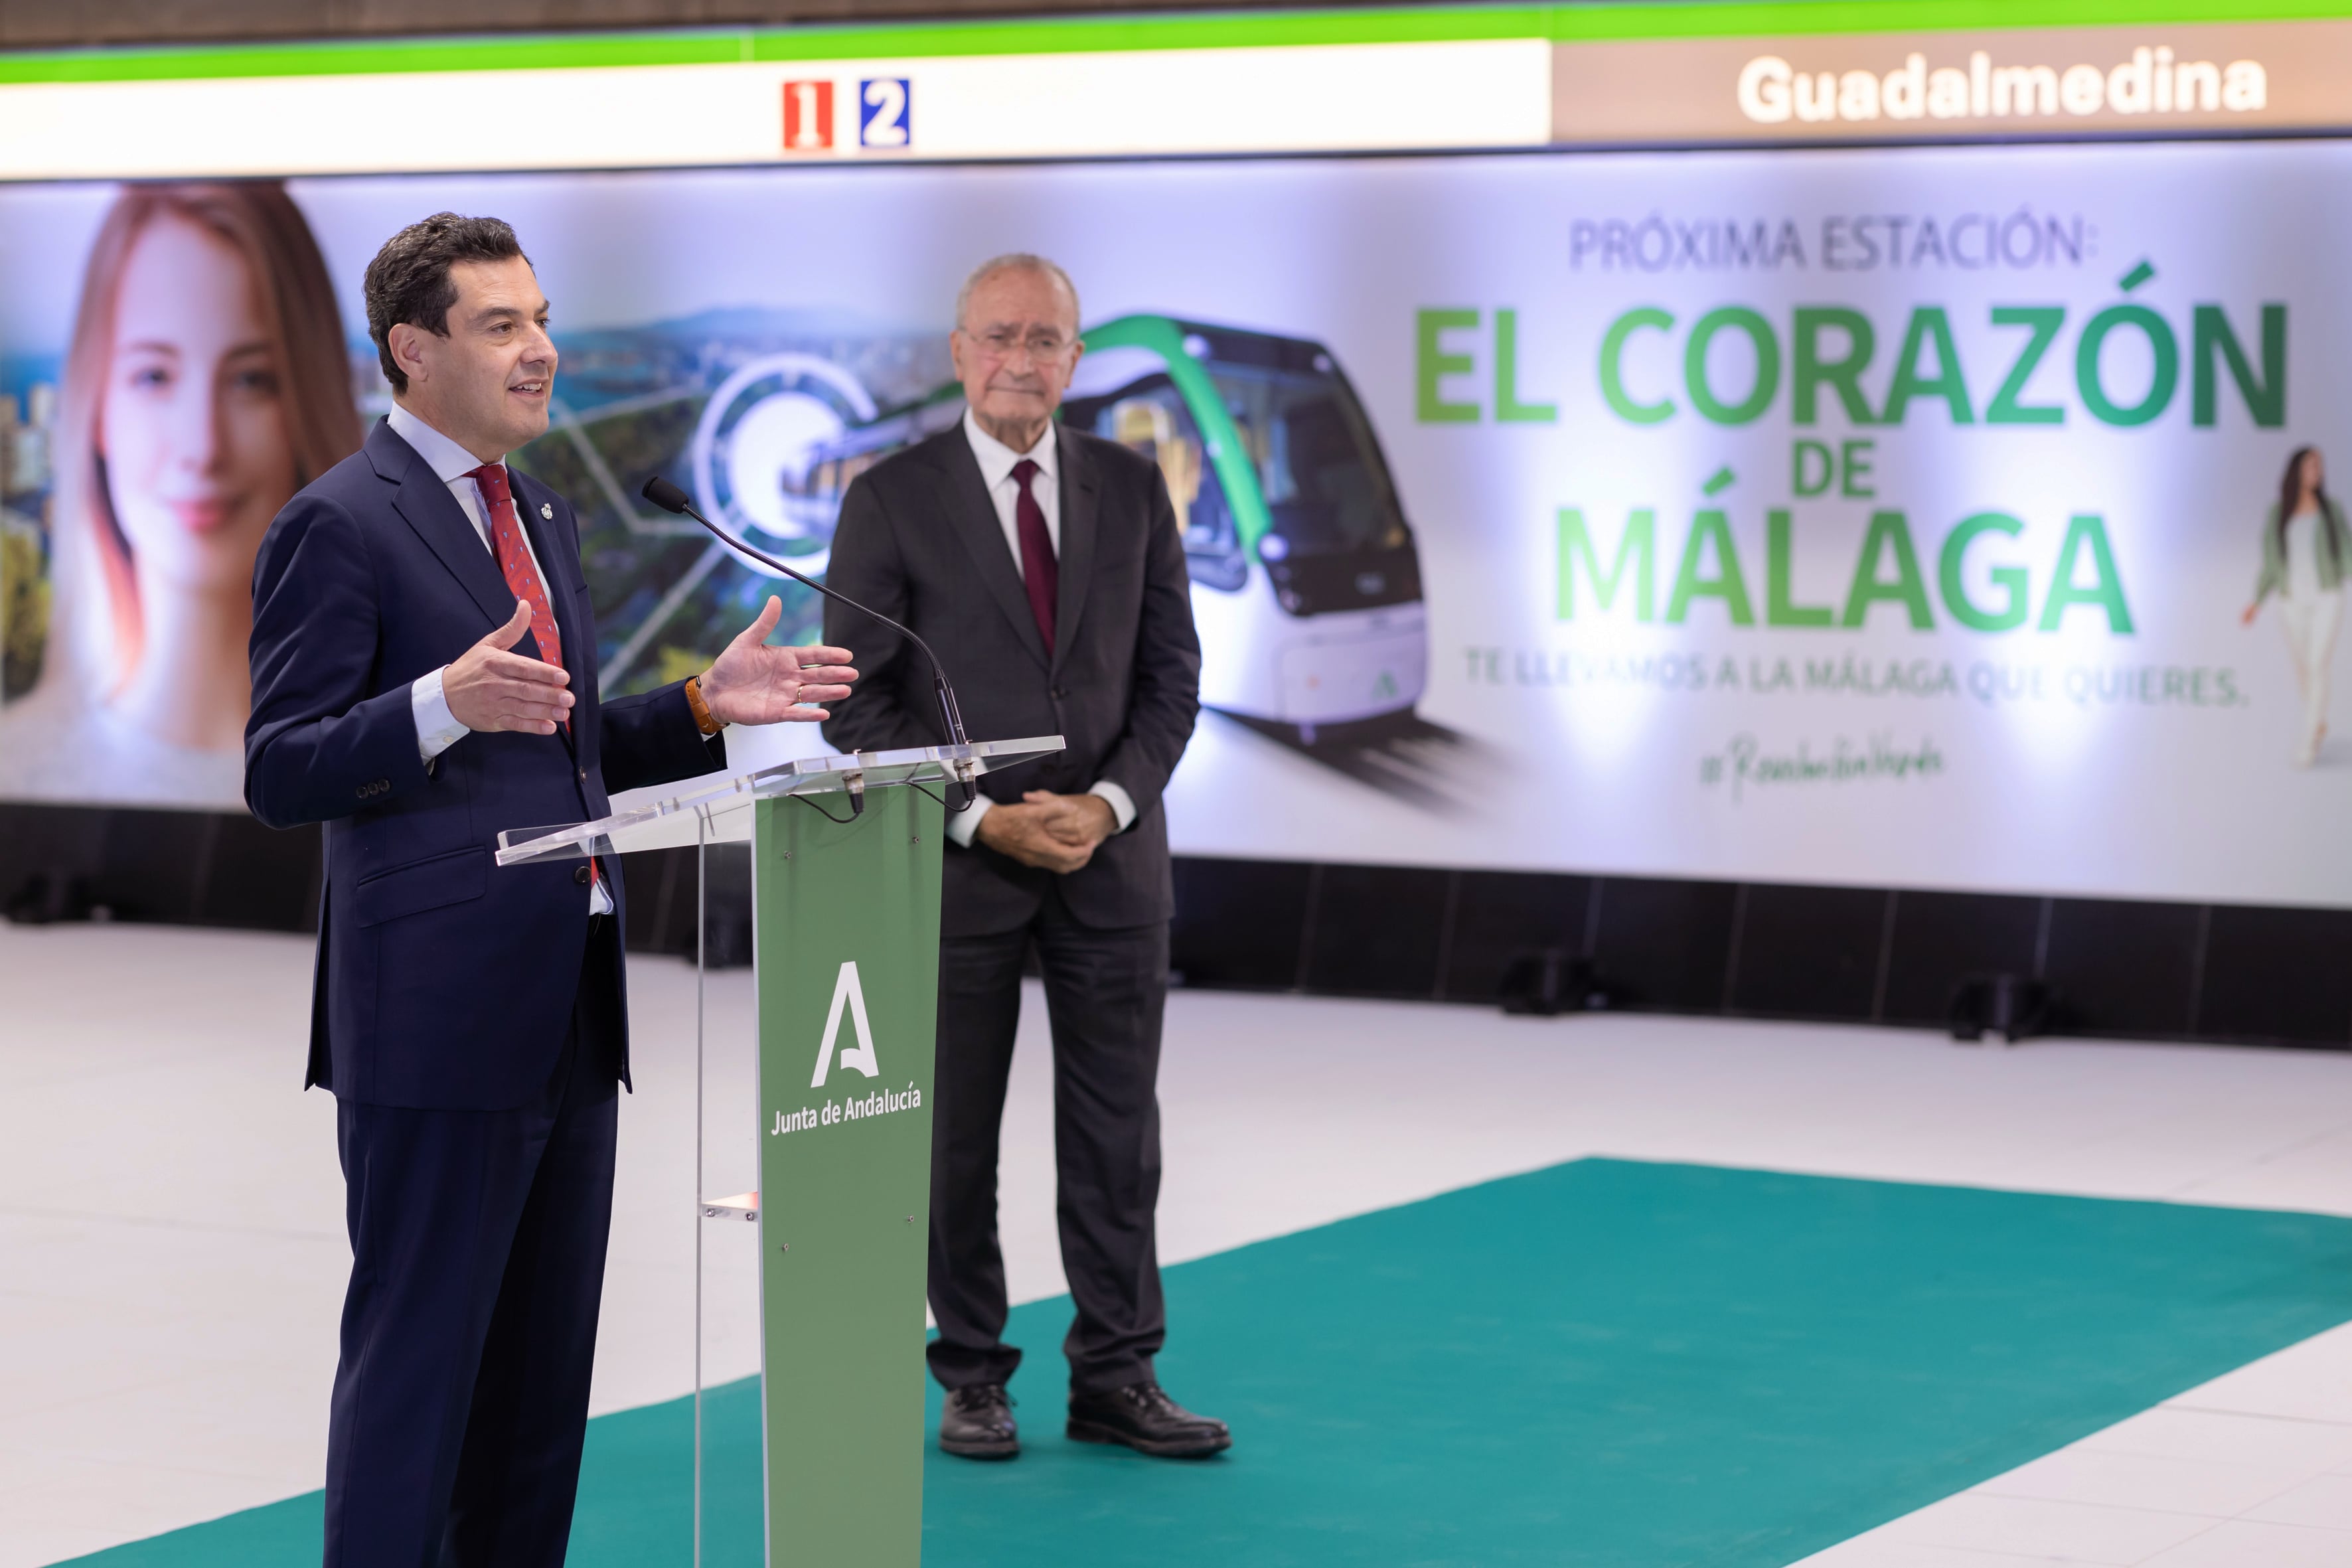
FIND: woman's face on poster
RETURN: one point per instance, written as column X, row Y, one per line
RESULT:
column 193, row 426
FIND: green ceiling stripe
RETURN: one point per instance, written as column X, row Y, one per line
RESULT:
column 1758, row 19
column 1622, row 19
column 373, row 57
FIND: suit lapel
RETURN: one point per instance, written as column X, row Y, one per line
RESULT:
column 1079, row 514
column 972, row 516
column 426, row 504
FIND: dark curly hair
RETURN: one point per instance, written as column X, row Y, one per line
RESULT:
column 409, row 281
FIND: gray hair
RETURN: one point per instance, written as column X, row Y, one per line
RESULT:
column 1016, row 261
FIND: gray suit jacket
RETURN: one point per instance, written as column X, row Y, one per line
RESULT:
column 919, row 541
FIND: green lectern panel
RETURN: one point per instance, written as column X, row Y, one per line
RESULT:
column 848, row 939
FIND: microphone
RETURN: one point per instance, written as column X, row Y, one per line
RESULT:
column 671, row 499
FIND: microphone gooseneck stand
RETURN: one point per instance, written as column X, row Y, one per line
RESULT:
column 671, row 499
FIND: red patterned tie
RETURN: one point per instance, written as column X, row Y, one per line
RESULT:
column 1041, row 574
column 522, row 580
column 514, row 560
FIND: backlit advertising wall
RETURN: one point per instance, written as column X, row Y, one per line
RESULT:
column 1870, row 516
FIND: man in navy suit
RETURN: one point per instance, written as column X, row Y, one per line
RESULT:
column 423, row 676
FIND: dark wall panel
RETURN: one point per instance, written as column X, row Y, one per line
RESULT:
column 1809, row 952
column 660, row 882
column 1941, row 939
column 2120, row 968
column 727, row 935
column 1664, row 945
column 154, row 864
column 41, row 846
column 2278, row 975
column 1376, row 931
column 1498, row 914
column 1239, row 923
column 2123, row 968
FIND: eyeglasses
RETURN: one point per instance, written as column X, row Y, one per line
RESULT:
column 1042, row 342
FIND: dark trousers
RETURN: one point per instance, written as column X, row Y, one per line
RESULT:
column 1105, row 993
column 469, row 1330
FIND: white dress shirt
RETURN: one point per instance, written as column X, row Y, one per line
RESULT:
column 997, row 462
column 2303, row 531
column 437, row 729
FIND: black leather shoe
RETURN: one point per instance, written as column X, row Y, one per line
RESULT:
column 1144, row 1418
column 978, row 1423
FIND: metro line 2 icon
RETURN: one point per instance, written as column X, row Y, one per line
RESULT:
column 885, row 112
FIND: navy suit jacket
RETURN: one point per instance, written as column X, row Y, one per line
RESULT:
column 444, row 981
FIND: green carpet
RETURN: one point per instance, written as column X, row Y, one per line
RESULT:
column 1604, row 1363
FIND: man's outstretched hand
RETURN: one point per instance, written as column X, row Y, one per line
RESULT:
column 487, row 687
column 753, row 683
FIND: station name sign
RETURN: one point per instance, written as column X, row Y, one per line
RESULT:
column 2191, row 79
column 2152, row 81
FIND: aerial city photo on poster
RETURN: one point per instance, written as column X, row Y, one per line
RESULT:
column 1896, row 517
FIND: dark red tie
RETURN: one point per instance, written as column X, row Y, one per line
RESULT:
column 522, row 582
column 1041, row 574
column 514, row 558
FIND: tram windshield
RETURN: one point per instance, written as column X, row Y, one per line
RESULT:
column 1318, row 469
column 1150, row 416
column 1326, row 488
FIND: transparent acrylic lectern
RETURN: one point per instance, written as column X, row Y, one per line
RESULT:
column 846, row 857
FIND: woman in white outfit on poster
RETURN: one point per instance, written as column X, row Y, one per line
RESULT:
column 2306, row 549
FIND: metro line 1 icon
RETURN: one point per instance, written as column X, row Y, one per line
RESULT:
column 808, row 116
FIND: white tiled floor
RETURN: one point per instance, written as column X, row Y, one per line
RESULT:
column 2252, row 1470
column 171, row 1256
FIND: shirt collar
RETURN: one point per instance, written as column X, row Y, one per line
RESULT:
column 996, row 459
column 449, row 461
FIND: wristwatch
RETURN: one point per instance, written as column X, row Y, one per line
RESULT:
column 707, row 721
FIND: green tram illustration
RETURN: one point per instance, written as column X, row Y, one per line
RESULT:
column 1306, row 582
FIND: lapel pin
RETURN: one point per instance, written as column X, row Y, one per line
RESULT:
column 547, row 512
